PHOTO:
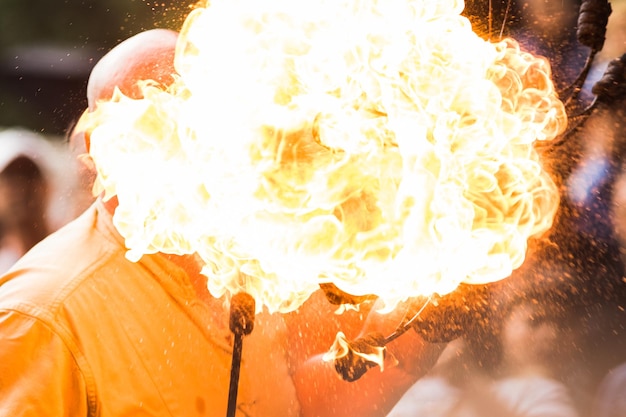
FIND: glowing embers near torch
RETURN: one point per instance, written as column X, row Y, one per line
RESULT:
column 344, row 142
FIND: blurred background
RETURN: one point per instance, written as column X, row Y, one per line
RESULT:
column 48, row 47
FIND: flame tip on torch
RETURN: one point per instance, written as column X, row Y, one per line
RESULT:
column 242, row 313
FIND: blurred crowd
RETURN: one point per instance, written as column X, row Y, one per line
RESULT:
column 554, row 342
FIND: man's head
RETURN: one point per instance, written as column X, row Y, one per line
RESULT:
column 148, row 55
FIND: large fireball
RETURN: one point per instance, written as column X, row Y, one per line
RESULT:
column 381, row 146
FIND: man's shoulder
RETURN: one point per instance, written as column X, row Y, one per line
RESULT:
column 51, row 272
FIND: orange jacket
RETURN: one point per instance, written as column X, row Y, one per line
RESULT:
column 85, row 332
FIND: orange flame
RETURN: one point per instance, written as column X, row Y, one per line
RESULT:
column 378, row 145
column 363, row 352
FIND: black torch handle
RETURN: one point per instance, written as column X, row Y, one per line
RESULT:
column 234, row 375
column 242, row 307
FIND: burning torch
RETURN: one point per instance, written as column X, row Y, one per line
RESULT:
column 241, row 324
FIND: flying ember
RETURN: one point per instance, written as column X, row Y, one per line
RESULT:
column 381, row 146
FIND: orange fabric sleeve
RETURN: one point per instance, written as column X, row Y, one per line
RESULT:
column 38, row 374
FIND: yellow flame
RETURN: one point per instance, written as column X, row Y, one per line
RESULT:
column 379, row 145
column 341, row 348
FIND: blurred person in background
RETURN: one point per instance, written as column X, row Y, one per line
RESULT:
column 610, row 400
column 537, row 342
column 36, row 191
column 23, row 198
column 459, row 383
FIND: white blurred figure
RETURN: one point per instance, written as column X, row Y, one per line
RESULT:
column 434, row 395
column 456, row 387
column 36, row 183
column 535, row 343
column 610, row 400
column 459, row 385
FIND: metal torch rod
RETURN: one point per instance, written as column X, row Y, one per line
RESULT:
column 403, row 328
column 235, row 367
column 242, row 308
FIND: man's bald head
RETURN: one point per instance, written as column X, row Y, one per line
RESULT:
column 148, row 55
